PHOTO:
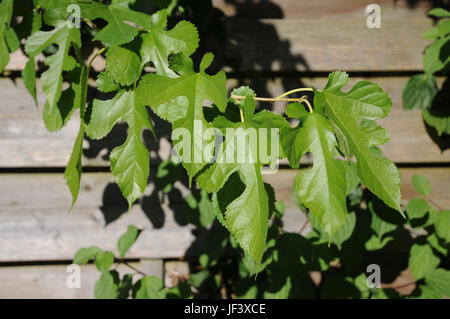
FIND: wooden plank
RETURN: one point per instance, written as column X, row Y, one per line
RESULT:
column 318, row 45
column 49, row 281
column 322, row 45
column 25, row 142
column 34, row 224
column 319, row 9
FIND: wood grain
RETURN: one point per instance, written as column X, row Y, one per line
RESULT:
column 35, row 225
column 312, row 44
column 25, row 142
column 49, row 281
column 319, row 9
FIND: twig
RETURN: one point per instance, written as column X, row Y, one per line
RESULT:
column 434, row 203
column 265, row 99
column 121, row 261
column 304, row 226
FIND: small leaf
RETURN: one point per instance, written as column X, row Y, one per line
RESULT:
column 104, row 260
column 437, row 244
column 436, row 56
column 417, row 208
column 375, row 243
column 159, row 43
column 29, row 78
column 419, row 92
column 439, row 118
column 442, row 224
column 439, row 281
column 439, row 13
column 83, row 255
column 118, row 15
column 149, row 287
column 106, row 286
column 56, row 114
column 72, row 173
column 123, row 65
column 105, row 83
column 421, row 184
column 422, row 261
column 127, row 239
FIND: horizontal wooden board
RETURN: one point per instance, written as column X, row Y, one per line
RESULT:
column 323, row 45
column 25, row 142
column 319, row 9
column 312, row 44
column 50, row 281
column 35, row 225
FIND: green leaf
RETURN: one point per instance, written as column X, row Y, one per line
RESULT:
column 442, row 224
column 376, row 243
column 365, row 101
column 417, row 208
column 156, row 91
column 56, row 114
column 438, row 118
column 104, row 261
column 105, row 83
column 83, row 255
column 118, row 15
column 436, row 56
column 200, row 210
column 167, row 174
column 159, row 43
column 127, row 239
column 130, row 161
column 419, row 92
column 443, row 27
column 149, row 287
column 123, row 65
column 428, row 293
column 380, row 223
column 72, row 173
column 431, row 33
column 12, row 40
column 422, row 261
column 130, row 167
column 437, row 244
column 439, row 280
column 6, row 9
column 29, row 78
column 322, row 188
column 243, row 201
column 106, row 286
column 421, row 184
column 439, row 13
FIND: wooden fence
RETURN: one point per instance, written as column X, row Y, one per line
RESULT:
column 274, row 46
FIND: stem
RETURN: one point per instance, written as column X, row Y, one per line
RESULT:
column 294, row 91
column 131, row 267
column 304, row 226
column 242, row 114
column 403, row 285
column 266, row 99
column 95, row 56
column 434, row 203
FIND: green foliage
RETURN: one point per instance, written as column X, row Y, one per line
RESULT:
column 127, row 239
column 421, row 92
column 365, row 102
column 6, row 10
column 150, row 64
